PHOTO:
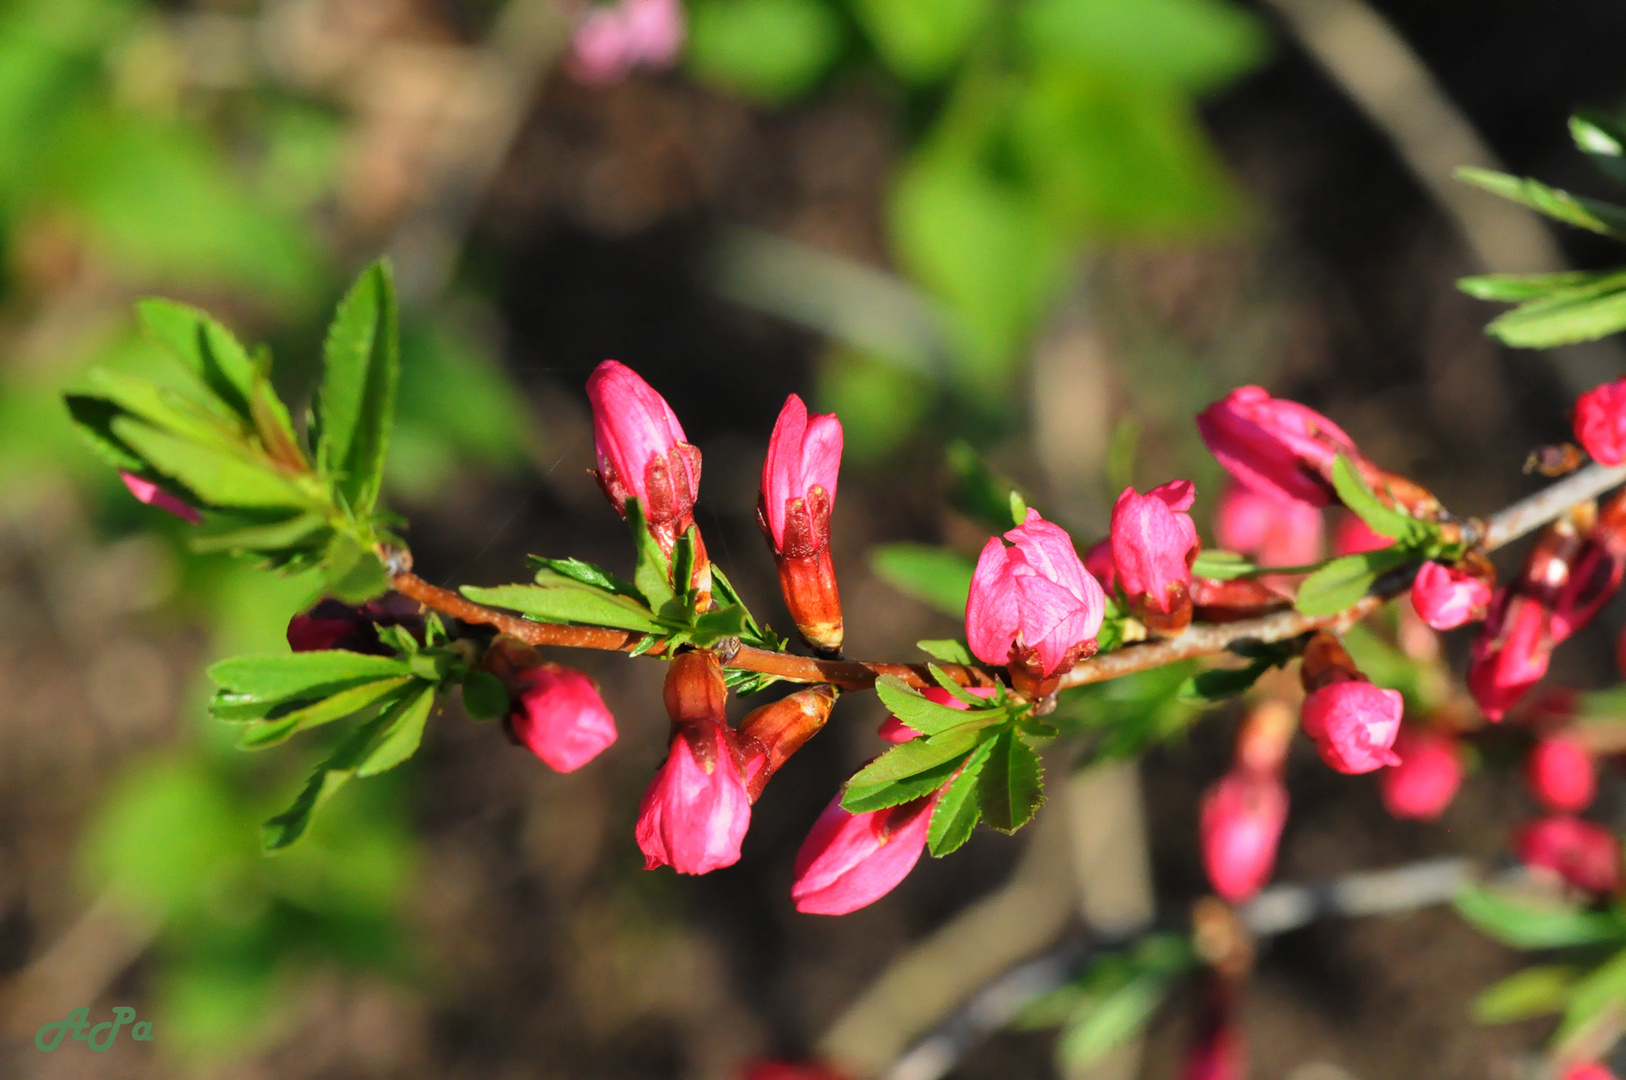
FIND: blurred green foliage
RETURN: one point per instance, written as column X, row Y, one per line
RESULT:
column 119, row 178
column 1040, row 127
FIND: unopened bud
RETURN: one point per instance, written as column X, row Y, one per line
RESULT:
column 770, row 735
column 793, row 509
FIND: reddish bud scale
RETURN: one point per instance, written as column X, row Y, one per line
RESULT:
column 1234, row 600
column 770, row 735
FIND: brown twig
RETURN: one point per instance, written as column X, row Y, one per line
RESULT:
column 1199, row 640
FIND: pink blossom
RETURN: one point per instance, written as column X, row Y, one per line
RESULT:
column 849, row 861
column 1588, row 1070
column 150, row 493
column 1426, row 779
column 1274, row 531
column 799, row 478
column 558, row 713
column 642, row 451
column 1354, row 724
column 1033, row 602
column 1275, row 447
column 1561, row 774
column 1446, row 598
column 615, row 38
column 1242, row 821
column 1584, row 854
column 798, row 492
column 696, row 810
column 1154, row 543
column 1352, row 536
column 1600, row 422
column 1511, row 653
column 1098, row 561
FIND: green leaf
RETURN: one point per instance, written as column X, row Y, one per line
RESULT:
column 218, row 477
column 284, row 533
column 332, row 773
column 979, row 493
column 928, row 717
column 921, row 39
column 1535, row 991
column 1525, row 923
column 1384, row 520
column 1601, row 990
column 351, row 572
column 1517, row 288
column 1563, row 317
column 935, row 576
column 1601, row 138
column 548, row 571
column 773, row 50
column 652, row 575
column 948, row 650
column 404, row 732
column 1103, row 1023
column 1193, row 44
column 355, row 406
column 1011, row 787
column 577, row 606
column 1217, row 684
column 919, row 755
column 717, row 624
column 1598, row 217
column 859, row 798
column 1221, row 565
column 484, row 696
column 93, row 418
column 279, row 725
column 955, row 690
column 958, row 808
column 208, row 349
column 279, row 677
column 1345, row 580
column 172, row 411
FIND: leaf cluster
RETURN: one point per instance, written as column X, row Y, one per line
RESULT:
column 212, row 431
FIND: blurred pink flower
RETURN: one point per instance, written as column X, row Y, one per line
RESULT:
column 1272, row 530
column 1561, row 774
column 1446, row 598
column 1242, row 819
column 1426, row 778
column 150, row 493
column 1032, row 602
column 1352, row 536
column 612, row 39
column 1588, row 1070
column 1584, row 854
column 1600, row 422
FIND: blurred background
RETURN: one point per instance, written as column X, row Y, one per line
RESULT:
column 1050, row 229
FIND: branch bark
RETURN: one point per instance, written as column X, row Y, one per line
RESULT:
column 1205, row 639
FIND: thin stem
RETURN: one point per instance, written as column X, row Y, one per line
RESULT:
column 1205, row 639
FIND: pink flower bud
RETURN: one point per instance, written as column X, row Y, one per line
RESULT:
column 1600, row 422
column 1220, row 1054
column 1588, row 1070
column 1032, row 603
column 1242, row 821
column 558, row 713
column 781, row 1070
column 1274, row 531
column 1153, row 545
column 1511, row 653
column 1425, row 781
column 615, row 38
column 696, row 810
column 1354, row 724
column 1582, row 853
column 1275, row 447
column 769, row 735
column 798, row 492
column 1561, row 775
column 153, row 495
column 642, row 451
column 1446, row 597
column 1353, row 536
column 849, row 861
